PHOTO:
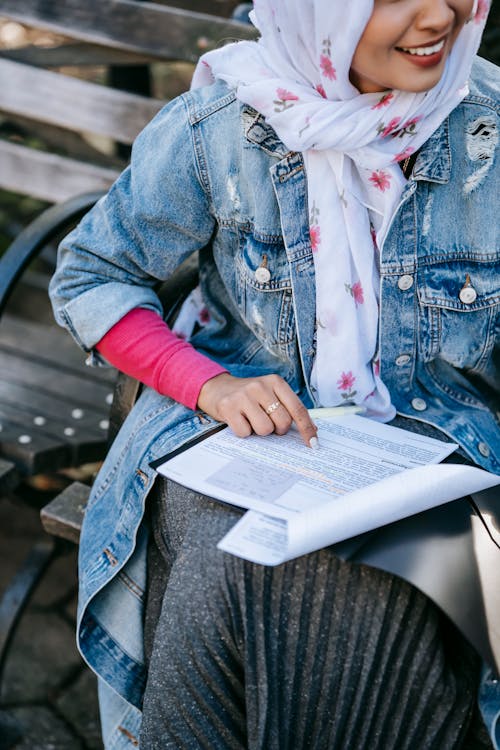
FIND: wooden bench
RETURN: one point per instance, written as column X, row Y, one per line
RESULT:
column 68, row 114
column 69, row 110
column 63, row 140
column 61, row 136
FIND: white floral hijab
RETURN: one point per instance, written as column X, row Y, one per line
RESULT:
column 297, row 77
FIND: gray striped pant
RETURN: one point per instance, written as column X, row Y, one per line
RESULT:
column 316, row 653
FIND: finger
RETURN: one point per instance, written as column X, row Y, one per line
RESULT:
column 262, row 408
column 239, row 424
column 298, row 413
column 279, row 415
column 262, row 422
column 247, row 417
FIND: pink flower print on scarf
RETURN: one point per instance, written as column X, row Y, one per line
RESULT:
column 389, row 129
column 325, row 61
column 321, row 90
column 356, row 292
column 376, row 367
column 285, row 100
column 396, row 130
column 384, row 101
column 314, row 228
column 315, row 236
column 407, row 152
column 381, row 179
column 345, row 383
column 409, row 127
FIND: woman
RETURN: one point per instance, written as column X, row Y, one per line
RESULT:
column 372, row 281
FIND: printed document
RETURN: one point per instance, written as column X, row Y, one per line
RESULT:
column 363, row 475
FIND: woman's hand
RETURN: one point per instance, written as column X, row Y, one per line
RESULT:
column 262, row 405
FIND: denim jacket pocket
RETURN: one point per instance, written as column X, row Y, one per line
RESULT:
column 265, row 289
column 459, row 312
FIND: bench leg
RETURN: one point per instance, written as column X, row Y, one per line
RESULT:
column 12, row 604
column 17, row 594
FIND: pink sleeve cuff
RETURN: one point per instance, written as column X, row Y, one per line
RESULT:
column 143, row 346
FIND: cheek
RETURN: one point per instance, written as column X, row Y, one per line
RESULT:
column 464, row 9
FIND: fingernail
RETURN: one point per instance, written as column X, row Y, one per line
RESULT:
column 314, row 443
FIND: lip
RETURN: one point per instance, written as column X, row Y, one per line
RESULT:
column 430, row 43
column 425, row 61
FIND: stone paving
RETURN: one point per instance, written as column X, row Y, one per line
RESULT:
column 46, row 687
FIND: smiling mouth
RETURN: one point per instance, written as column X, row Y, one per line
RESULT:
column 432, row 49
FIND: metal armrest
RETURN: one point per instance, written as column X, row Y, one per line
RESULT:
column 54, row 222
column 48, row 225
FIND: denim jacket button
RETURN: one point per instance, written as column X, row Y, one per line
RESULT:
column 262, row 275
column 419, row 404
column 405, row 282
column 483, row 449
column 403, row 359
column 468, row 295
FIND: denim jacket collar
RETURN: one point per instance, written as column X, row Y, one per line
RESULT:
column 433, row 162
column 434, row 159
column 261, row 134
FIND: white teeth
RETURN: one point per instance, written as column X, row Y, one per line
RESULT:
column 423, row 51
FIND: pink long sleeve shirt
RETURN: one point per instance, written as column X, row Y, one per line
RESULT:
column 143, row 346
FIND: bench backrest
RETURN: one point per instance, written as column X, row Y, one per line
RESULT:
column 57, row 130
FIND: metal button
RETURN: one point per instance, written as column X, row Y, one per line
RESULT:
column 24, row 439
column 109, row 398
column 69, row 431
column 104, row 424
column 39, row 421
column 403, row 359
column 405, row 282
column 484, row 449
column 419, row 404
column 468, row 295
column 262, row 275
column 77, row 413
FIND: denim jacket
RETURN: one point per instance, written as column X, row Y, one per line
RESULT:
column 209, row 175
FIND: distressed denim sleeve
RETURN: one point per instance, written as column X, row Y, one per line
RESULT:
column 155, row 215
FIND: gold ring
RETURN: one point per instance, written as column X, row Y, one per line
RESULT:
column 272, row 407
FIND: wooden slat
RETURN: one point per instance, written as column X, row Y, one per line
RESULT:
column 163, row 31
column 50, row 344
column 73, row 55
column 36, row 448
column 41, row 454
column 61, row 141
column 53, row 414
column 63, row 516
column 49, row 177
column 57, row 414
column 70, row 387
column 217, row 7
column 9, row 477
column 72, row 103
column 54, row 428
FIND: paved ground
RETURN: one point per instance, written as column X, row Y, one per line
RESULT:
column 46, row 687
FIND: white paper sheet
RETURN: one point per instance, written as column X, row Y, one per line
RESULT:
column 364, row 475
